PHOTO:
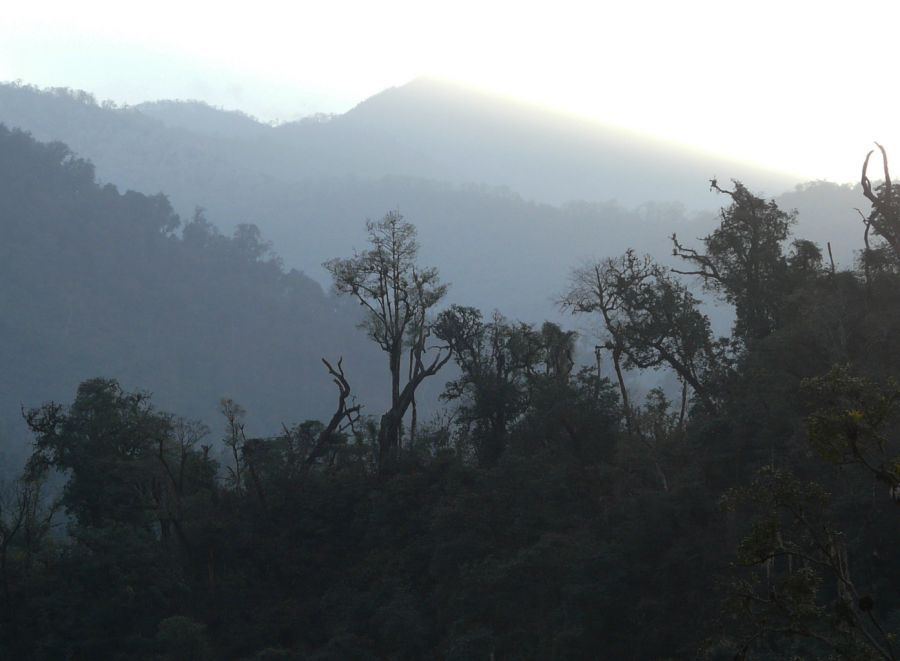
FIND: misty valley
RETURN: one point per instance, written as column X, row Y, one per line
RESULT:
column 442, row 377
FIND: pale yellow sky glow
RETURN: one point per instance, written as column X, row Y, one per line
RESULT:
column 803, row 87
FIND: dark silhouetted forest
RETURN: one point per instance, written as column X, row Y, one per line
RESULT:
column 547, row 510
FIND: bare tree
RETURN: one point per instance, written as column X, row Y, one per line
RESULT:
column 600, row 287
column 234, row 438
column 652, row 321
column 344, row 417
column 174, row 450
column 885, row 215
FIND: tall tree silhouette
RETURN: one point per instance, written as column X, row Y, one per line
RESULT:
column 398, row 294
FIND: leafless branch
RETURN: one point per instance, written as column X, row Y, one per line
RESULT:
column 344, row 417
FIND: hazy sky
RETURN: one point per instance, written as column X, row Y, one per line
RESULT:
column 804, row 87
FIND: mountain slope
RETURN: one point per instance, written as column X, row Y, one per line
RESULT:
column 310, row 185
column 424, row 129
column 544, row 155
column 98, row 283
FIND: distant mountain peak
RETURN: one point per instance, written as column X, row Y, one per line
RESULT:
column 430, row 128
column 429, row 93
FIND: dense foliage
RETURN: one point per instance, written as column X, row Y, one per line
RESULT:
column 550, row 513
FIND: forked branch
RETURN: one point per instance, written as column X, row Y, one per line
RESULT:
column 885, row 215
column 344, row 417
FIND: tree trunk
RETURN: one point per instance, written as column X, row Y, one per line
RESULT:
column 626, row 406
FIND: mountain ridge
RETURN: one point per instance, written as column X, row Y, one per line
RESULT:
column 312, row 200
column 438, row 130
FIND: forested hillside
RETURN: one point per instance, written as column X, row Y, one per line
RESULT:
column 529, row 185
column 199, row 484
column 551, row 512
column 94, row 282
column 460, row 165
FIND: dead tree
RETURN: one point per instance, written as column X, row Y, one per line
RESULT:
column 885, row 215
column 344, row 417
column 235, row 439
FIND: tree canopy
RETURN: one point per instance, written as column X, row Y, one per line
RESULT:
column 742, row 508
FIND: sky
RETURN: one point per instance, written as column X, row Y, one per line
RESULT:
column 801, row 87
